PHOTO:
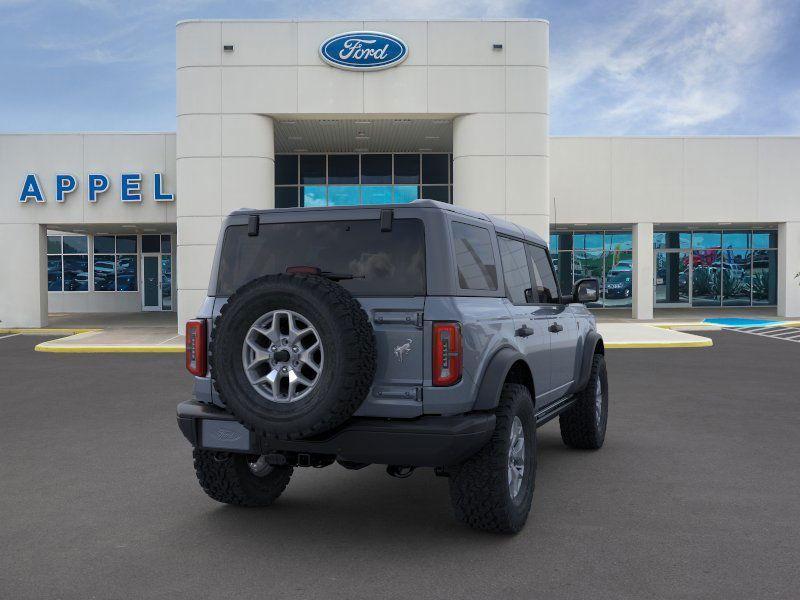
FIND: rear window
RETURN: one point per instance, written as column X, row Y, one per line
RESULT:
column 383, row 263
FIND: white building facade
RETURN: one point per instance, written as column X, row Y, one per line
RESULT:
column 269, row 116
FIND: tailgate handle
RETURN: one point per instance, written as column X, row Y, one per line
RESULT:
column 399, row 318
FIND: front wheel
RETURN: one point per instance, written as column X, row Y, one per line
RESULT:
column 583, row 425
column 239, row 479
column 493, row 489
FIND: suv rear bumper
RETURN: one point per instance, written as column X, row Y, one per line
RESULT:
column 428, row 441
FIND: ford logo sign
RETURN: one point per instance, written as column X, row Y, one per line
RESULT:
column 363, row 50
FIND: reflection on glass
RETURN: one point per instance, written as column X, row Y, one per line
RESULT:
column 126, row 274
column 434, row 168
column 736, row 239
column 54, row 280
column 166, row 282
column 588, row 264
column 618, row 241
column 54, row 244
column 343, row 168
column 376, row 194
column 765, row 239
column 765, row 277
column 343, row 195
column 405, row 193
column 588, row 241
column 76, row 273
column 166, row 244
column 406, row 168
column 706, row 277
column 312, row 168
column 435, row 192
column 285, row 197
column 563, row 265
column 706, row 240
column 736, row 277
column 376, row 168
column 553, row 243
column 618, row 288
column 104, row 244
column 104, row 272
column 75, row 244
column 126, row 244
column 150, row 243
column 672, row 239
column 314, row 195
column 672, row 277
column 286, row 169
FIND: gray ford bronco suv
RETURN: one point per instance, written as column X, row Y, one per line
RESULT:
column 414, row 335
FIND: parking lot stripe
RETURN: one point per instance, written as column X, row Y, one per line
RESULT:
column 2, row 337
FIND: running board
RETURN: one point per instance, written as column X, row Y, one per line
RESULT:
column 553, row 410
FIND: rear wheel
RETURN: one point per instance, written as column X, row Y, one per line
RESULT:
column 239, row 479
column 583, row 425
column 493, row 489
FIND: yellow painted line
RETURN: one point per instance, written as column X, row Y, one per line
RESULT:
column 102, row 349
column 704, row 343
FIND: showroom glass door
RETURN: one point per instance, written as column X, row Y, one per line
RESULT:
column 151, row 279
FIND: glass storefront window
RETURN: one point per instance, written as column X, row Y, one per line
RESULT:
column 76, row 273
column 151, row 243
column 618, row 241
column 405, row 193
column 126, row 274
column 406, row 168
column 314, row 195
column 75, row 244
column 588, row 241
column 166, row 244
column 736, row 277
column 126, row 244
column 705, row 240
column 343, row 168
column 104, row 244
column 736, row 239
column 765, row 277
column 765, row 239
column 588, row 263
column 434, row 168
column 618, row 287
column 343, row 195
column 672, row 239
column 67, row 263
column 553, row 243
column 54, row 244
column 410, row 176
column 672, row 278
column 104, row 272
column 312, row 168
column 706, row 277
column 376, row 168
column 54, row 273
column 376, row 194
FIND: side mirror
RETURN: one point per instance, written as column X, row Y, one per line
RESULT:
column 586, row 290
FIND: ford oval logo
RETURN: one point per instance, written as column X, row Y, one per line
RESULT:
column 363, row 50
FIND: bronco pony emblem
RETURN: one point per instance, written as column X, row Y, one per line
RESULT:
column 402, row 350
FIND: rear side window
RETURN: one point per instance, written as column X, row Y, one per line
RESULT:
column 543, row 274
column 390, row 263
column 474, row 257
column 515, row 271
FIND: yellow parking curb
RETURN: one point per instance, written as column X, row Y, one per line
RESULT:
column 100, row 349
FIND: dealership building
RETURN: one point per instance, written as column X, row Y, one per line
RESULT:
column 275, row 114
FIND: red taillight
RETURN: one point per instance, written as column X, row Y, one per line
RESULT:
column 196, row 347
column 446, row 353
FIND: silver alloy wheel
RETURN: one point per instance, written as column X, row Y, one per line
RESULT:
column 282, row 356
column 516, row 457
column 260, row 467
column 598, row 401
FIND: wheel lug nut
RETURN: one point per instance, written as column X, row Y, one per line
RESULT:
column 295, row 349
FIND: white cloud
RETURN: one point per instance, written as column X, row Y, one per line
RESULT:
column 670, row 68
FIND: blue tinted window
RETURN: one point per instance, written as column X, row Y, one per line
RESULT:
column 376, row 194
column 406, row 168
column 706, row 239
column 376, row 168
column 312, row 168
column 104, row 244
column 765, row 239
column 343, row 195
column 434, row 168
column 126, row 274
column 75, row 244
column 672, row 239
column 435, row 192
column 314, row 195
column 553, row 242
column 405, row 193
column 286, row 169
column 76, row 273
column 166, row 244
column 104, row 272
column 151, row 243
column 54, row 279
column 285, row 197
column 736, row 239
column 343, row 168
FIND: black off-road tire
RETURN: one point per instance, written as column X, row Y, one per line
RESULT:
column 479, row 489
column 349, row 363
column 581, row 426
column 227, row 478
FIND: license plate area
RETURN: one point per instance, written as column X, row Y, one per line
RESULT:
column 224, row 435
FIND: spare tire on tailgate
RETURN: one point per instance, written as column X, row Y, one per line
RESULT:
column 292, row 355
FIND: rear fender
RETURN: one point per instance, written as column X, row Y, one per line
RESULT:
column 495, row 376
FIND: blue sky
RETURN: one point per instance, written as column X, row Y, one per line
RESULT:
column 617, row 68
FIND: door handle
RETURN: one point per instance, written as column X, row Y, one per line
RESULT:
column 555, row 328
column 523, row 331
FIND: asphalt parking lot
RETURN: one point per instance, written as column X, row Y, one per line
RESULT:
column 695, row 495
